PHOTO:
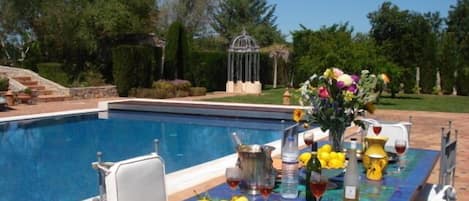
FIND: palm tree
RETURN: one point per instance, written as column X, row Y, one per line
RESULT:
column 277, row 51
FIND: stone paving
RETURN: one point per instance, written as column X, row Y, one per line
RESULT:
column 425, row 133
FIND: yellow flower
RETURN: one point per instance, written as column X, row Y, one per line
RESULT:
column 385, row 78
column 297, row 115
column 348, row 96
column 328, row 73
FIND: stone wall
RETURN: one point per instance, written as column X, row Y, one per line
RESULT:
column 93, row 92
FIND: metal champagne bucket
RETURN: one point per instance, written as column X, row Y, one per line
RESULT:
column 255, row 162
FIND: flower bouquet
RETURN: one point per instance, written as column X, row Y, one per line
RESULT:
column 335, row 99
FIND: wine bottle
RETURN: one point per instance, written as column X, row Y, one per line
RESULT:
column 351, row 178
column 313, row 165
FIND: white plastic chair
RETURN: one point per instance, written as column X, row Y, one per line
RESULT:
column 444, row 190
column 393, row 131
column 140, row 178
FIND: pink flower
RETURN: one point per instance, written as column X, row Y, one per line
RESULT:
column 323, row 93
column 337, row 72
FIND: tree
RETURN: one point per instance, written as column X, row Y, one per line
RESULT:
column 177, row 49
column 256, row 16
column 194, row 14
column 458, row 24
column 278, row 51
column 407, row 39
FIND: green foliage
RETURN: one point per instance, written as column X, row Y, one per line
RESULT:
column 458, row 25
column 177, row 51
column 408, row 39
column 332, row 46
column 256, row 16
column 4, row 84
column 133, row 66
column 208, row 70
column 448, row 61
column 54, row 72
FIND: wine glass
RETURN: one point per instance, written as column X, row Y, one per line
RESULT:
column 308, row 137
column 400, row 145
column 377, row 128
column 318, row 184
column 266, row 185
column 233, row 177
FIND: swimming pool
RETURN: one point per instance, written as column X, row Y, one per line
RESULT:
column 49, row 159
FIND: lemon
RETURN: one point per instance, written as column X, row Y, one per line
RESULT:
column 304, row 157
column 239, row 198
column 333, row 155
column 341, row 157
column 324, row 156
column 326, row 148
column 335, row 163
column 323, row 163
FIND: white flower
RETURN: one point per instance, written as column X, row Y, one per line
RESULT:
column 346, row 79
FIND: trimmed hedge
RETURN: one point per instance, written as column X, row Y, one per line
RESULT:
column 209, row 70
column 133, row 66
column 53, row 71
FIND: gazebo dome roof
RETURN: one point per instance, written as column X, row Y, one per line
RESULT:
column 244, row 43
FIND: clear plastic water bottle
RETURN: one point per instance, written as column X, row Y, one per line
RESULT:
column 289, row 183
column 290, row 163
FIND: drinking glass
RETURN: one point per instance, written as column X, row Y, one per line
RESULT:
column 318, row 185
column 266, row 185
column 400, row 145
column 308, row 137
column 377, row 128
column 233, row 177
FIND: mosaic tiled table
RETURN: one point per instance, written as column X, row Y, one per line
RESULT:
column 393, row 187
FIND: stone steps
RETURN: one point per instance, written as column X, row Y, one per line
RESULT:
column 44, row 95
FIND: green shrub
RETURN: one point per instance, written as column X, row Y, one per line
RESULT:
column 198, row 91
column 164, row 89
column 54, row 72
column 4, row 84
column 183, row 85
column 133, row 66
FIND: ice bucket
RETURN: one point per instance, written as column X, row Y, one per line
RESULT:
column 255, row 163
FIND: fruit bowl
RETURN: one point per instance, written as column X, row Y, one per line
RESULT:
column 332, row 172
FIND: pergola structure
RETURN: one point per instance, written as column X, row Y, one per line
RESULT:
column 243, row 66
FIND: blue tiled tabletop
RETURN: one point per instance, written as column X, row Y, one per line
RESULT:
column 419, row 164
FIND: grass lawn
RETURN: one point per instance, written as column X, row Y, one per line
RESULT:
column 421, row 102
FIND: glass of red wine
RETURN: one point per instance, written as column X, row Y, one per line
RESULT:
column 233, row 177
column 308, row 137
column 318, row 184
column 400, row 145
column 377, row 128
column 266, row 185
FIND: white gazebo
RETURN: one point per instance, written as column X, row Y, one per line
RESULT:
column 243, row 66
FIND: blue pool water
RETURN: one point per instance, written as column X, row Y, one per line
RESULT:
column 50, row 159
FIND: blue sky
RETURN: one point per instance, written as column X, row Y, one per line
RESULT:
column 315, row 13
